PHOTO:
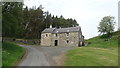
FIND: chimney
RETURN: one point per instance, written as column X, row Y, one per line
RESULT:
column 73, row 25
column 50, row 26
column 59, row 27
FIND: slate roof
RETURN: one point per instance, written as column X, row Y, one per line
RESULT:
column 61, row 30
column 48, row 30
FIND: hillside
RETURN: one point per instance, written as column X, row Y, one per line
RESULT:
column 104, row 42
column 100, row 51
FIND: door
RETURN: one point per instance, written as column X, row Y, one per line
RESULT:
column 56, row 42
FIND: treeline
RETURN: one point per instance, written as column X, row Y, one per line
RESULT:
column 19, row 22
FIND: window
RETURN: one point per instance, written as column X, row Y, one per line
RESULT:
column 46, row 35
column 67, row 34
column 56, row 35
column 67, row 41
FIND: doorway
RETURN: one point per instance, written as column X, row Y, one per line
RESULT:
column 56, row 42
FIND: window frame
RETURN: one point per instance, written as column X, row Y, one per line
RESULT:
column 67, row 34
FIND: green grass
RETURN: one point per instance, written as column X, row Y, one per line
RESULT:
column 101, row 43
column 89, row 56
column 11, row 53
column 98, row 53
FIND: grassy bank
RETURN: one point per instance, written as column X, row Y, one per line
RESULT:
column 11, row 53
column 98, row 52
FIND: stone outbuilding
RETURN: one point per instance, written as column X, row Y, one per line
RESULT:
column 71, row 36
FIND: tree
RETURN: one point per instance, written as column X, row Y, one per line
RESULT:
column 106, row 26
column 48, row 19
column 33, row 21
column 19, row 22
column 12, row 19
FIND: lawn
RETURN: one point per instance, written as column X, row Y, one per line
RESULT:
column 98, row 53
column 11, row 54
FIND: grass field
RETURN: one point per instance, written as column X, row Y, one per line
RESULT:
column 98, row 53
column 11, row 53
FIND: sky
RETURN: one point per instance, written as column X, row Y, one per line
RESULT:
column 88, row 13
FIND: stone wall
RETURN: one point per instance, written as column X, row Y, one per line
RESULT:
column 46, row 39
column 24, row 41
column 64, row 39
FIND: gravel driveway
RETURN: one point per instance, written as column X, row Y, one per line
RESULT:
column 43, row 56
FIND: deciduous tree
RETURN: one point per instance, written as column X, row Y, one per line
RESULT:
column 106, row 26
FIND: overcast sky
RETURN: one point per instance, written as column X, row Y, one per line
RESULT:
column 88, row 13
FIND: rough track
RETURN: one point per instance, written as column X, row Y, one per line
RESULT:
column 42, row 56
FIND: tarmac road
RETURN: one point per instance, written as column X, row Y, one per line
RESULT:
column 42, row 56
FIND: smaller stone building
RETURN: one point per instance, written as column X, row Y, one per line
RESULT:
column 71, row 36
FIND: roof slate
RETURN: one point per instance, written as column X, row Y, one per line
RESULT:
column 61, row 30
column 48, row 30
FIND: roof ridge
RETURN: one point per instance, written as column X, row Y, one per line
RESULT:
column 61, row 30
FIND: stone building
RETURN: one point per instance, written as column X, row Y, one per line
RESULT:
column 71, row 36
